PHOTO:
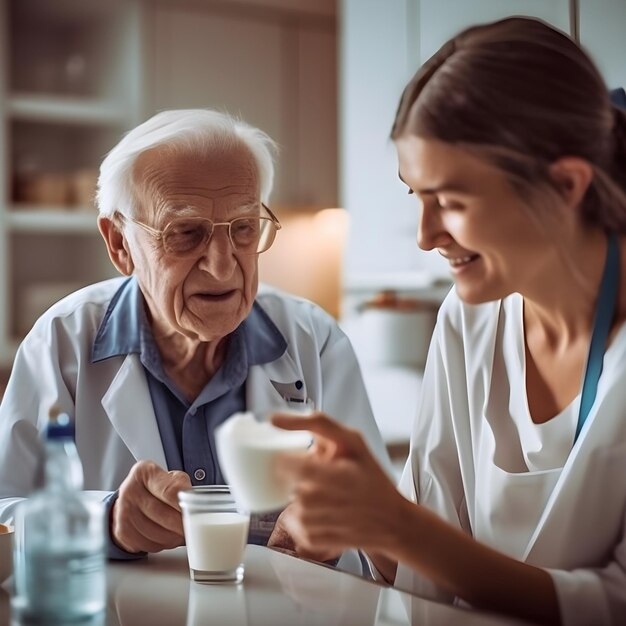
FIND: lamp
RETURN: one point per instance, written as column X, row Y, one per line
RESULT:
column 306, row 258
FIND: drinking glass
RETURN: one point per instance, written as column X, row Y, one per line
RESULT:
column 216, row 531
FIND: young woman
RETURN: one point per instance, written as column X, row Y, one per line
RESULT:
column 514, row 494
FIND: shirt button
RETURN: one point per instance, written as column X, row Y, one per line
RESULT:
column 199, row 474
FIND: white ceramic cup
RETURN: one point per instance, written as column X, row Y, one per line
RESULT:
column 247, row 451
column 216, row 533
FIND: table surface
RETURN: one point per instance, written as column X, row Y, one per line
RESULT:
column 277, row 590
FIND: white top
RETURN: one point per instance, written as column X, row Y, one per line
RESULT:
column 479, row 461
column 515, row 454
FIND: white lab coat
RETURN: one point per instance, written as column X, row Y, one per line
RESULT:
column 110, row 401
column 579, row 528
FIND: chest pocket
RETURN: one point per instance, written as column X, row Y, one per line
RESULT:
column 589, row 514
column 509, row 506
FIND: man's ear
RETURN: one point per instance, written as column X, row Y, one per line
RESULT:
column 572, row 176
column 116, row 244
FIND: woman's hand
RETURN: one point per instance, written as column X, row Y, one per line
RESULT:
column 342, row 498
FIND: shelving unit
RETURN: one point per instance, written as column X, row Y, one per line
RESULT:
column 50, row 220
column 67, row 110
column 76, row 74
column 71, row 82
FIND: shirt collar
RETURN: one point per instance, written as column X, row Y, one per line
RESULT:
column 264, row 342
column 125, row 329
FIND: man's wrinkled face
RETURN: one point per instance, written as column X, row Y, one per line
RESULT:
column 204, row 296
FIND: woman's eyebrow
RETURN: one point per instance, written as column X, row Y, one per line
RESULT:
column 449, row 186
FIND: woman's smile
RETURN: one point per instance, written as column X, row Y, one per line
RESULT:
column 459, row 262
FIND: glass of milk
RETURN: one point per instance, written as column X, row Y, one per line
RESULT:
column 216, row 532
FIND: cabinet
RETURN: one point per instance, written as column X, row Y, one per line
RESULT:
column 70, row 84
column 276, row 69
column 76, row 74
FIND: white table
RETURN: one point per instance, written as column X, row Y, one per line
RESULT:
column 277, row 590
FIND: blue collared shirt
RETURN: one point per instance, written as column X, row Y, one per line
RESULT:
column 187, row 428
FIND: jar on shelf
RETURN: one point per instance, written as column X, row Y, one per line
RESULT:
column 36, row 186
column 83, row 188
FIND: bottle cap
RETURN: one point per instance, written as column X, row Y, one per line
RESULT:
column 60, row 426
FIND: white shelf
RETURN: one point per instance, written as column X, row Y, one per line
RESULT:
column 51, row 220
column 65, row 110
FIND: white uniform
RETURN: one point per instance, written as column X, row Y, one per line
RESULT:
column 479, row 461
column 110, row 400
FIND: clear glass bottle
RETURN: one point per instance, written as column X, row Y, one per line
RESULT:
column 59, row 570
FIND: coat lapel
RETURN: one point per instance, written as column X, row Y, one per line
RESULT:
column 264, row 381
column 128, row 405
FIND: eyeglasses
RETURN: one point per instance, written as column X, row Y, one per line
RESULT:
column 185, row 237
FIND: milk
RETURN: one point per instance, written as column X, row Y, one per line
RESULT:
column 215, row 541
column 247, row 451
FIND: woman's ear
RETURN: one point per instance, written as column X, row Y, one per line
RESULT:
column 572, row 176
column 116, row 244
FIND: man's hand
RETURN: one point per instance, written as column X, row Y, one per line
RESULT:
column 282, row 539
column 146, row 517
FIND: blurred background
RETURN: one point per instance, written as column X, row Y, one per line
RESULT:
column 322, row 77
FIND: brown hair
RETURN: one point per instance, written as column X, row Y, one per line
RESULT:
column 522, row 94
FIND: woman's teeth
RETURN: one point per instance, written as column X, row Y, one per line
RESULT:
column 461, row 260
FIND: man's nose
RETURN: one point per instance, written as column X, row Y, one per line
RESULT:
column 218, row 258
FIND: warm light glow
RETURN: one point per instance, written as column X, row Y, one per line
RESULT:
column 307, row 255
column 332, row 222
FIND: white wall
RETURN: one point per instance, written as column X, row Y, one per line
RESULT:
column 603, row 33
column 438, row 21
column 376, row 48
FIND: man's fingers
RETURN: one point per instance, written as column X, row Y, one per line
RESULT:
column 162, row 514
column 180, row 481
column 140, row 534
column 166, row 485
column 282, row 538
column 146, row 516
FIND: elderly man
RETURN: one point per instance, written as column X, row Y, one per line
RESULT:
column 150, row 364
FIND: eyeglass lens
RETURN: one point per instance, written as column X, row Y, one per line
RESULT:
column 248, row 235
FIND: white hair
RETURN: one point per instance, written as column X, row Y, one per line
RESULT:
column 186, row 129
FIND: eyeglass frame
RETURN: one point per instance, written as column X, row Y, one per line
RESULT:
column 158, row 234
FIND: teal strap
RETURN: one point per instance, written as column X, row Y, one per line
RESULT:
column 605, row 309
